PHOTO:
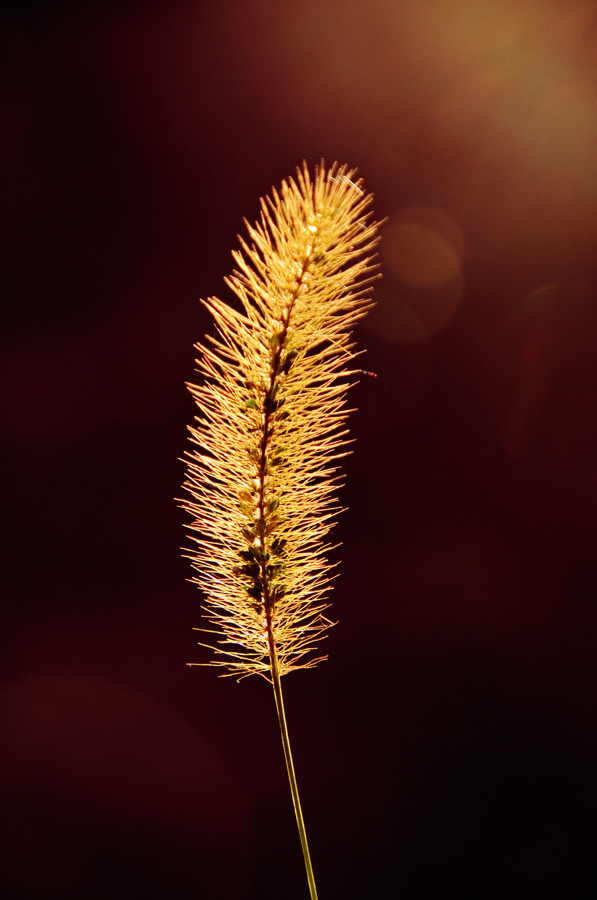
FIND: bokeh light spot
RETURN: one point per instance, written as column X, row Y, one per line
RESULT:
column 418, row 254
column 422, row 252
column 540, row 382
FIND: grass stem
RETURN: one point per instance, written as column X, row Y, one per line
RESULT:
column 277, row 684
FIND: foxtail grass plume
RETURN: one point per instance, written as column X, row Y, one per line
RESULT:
column 263, row 473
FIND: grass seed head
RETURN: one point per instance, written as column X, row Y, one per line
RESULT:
column 262, row 475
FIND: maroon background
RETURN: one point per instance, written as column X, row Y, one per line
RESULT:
column 447, row 748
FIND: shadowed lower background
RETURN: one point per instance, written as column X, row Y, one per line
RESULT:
column 446, row 749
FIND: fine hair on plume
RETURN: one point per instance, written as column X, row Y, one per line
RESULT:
column 262, row 475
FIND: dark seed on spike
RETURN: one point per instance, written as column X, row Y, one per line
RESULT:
column 278, row 546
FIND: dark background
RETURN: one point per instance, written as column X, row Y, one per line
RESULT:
column 447, row 748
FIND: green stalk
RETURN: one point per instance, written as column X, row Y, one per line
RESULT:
column 277, row 684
